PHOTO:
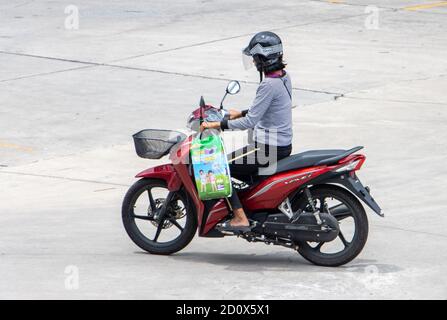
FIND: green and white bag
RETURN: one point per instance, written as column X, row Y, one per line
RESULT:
column 211, row 170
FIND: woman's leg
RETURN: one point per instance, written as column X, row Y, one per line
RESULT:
column 239, row 219
column 247, row 165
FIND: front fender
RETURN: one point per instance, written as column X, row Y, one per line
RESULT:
column 164, row 172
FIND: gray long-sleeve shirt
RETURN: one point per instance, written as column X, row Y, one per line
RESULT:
column 271, row 113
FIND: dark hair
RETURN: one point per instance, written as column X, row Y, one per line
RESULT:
column 279, row 65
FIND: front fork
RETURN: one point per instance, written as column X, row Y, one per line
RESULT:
column 161, row 215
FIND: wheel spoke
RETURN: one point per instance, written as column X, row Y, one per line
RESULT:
column 340, row 212
column 342, row 215
column 159, row 228
column 151, row 200
column 175, row 223
column 142, row 217
column 343, row 239
column 318, row 247
column 340, row 206
column 336, row 206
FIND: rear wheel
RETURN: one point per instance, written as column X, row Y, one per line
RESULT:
column 140, row 214
column 353, row 221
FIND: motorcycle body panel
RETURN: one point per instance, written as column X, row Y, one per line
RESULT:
column 272, row 191
column 215, row 212
column 264, row 196
column 164, row 172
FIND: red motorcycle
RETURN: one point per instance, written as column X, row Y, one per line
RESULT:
column 309, row 202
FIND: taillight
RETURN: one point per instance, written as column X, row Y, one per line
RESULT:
column 354, row 165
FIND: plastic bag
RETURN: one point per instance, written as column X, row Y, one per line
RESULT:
column 206, row 113
column 210, row 165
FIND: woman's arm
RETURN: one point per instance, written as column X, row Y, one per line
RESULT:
column 236, row 114
column 243, row 119
column 264, row 96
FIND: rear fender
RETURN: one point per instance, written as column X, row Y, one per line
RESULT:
column 164, row 172
column 351, row 182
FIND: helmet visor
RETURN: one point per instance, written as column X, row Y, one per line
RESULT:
column 247, row 61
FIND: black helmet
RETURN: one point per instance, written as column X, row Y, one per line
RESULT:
column 266, row 49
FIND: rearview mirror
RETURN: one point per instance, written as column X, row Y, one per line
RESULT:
column 233, row 87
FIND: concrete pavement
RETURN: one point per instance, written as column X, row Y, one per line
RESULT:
column 70, row 100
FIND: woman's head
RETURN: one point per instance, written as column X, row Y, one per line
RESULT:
column 266, row 51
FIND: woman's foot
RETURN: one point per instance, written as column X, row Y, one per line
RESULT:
column 239, row 219
column 228, row 226
column 236, row 222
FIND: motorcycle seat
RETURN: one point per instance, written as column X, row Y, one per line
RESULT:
column 307, row 159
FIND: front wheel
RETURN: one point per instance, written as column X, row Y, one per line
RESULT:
column 353, row 223
column 144, row 224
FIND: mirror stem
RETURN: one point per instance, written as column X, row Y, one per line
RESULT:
column 221, row 103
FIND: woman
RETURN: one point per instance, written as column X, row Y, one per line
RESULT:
column 270, row 117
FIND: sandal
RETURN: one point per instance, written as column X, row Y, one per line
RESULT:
column 226, row 226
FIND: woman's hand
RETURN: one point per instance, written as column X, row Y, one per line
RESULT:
column 209, row 125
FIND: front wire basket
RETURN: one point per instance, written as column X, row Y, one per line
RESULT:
column 155, row 143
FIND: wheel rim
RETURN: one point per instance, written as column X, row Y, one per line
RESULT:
column 348, row 225
column 144, row 214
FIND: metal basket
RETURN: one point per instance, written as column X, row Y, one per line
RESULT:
column 155, row 143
